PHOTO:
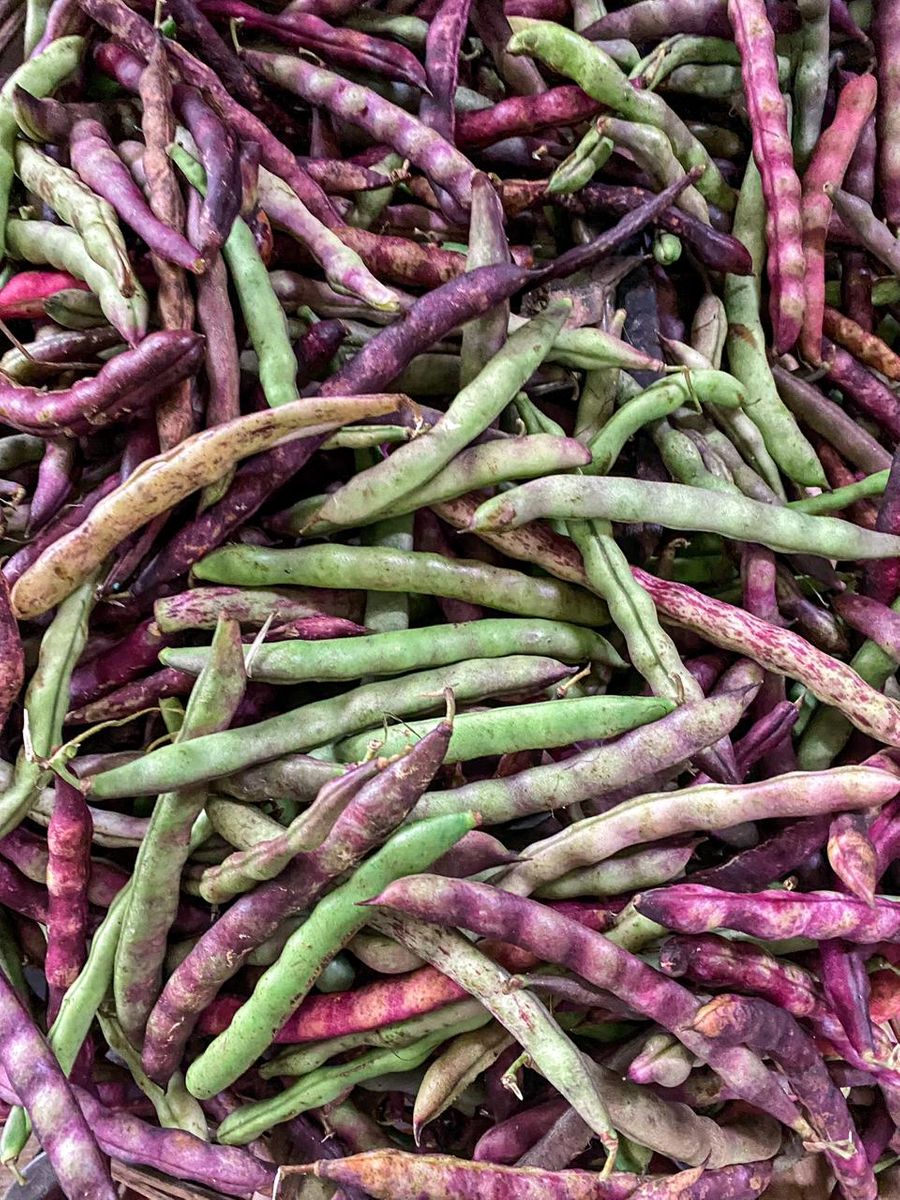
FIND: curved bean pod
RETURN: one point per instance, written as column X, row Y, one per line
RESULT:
column 384, row 121
column 43, row 242
column 329, row 926
column 97, row 163
column 661, row 400
column 480, row 908
column 371, row 816
column 379, row 488
column 165, row 479
column 665, row 743
column 678, row 506
column 483, row 465
column 596, row 73
column 711, row 806
column 40, row 76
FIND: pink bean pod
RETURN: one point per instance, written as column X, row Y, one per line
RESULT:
column 68, row 875
column 829, row 162
column 695, row 908
column 774, row 158
column 25, row 293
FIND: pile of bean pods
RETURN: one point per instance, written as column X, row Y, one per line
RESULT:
column 450, row 598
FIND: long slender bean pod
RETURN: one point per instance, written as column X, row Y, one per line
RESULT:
column 40, row 76
column 596, row 73
column 682, row 507
column 167, row 478
column 330, row 925
column 42, row 1088
column 153, row 896
column 478, row 907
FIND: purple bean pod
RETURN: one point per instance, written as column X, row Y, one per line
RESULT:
column 533, row 926
column 377, row 808
column 864, row 389
column 68, row 873
column 444, row 165
column 695, row 908
column 716, row 250
column 221, row 162
column 506, row 1142
column 881, row 581
column 95, row 160
column 125, row 385
column 770, row 1030
column 118, row 664
column 215, row 317
column 770, row 860
column 54, row 482
column 133, row 697
column 174, row 1153
column 443, row 43
column 344, row 47
column 741, row 1182
column 842, row 969
column 852, row 856
column 35, row 1080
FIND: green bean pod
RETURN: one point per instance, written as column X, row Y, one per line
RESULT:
column 658, row 401
column 373, row 492
column 46, row 702
column 92, row 217
column 451, row 1018
column 653, row 153
column 680, row 507
column 397, row 652
column 580, row 167
column 380, row 569
column 328, row 928
column 326, row 1084
column 154, row 890
column 322, row 722
column 262, row 312
column 538, row 726
column 40, row 76
column 594, row 71
column 826, row 502
column 481, row 466
column 746, row 345
column 42, row 242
